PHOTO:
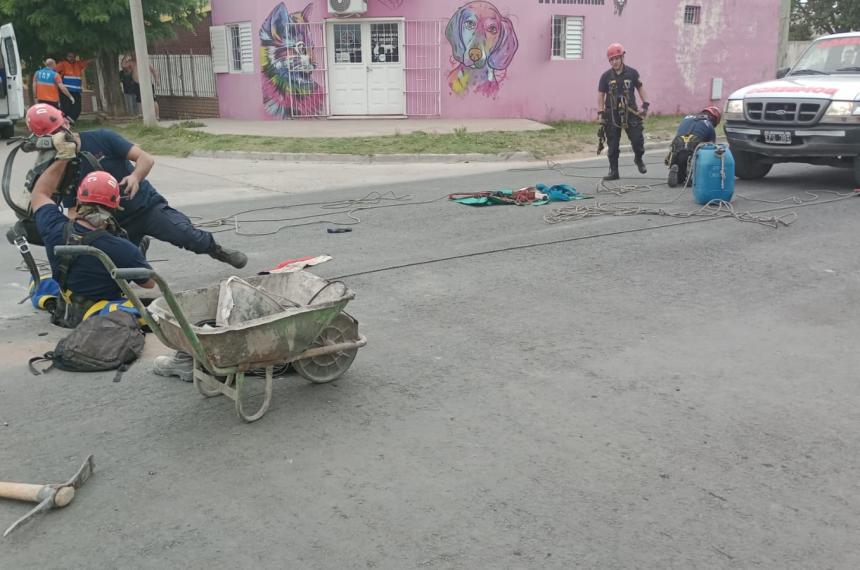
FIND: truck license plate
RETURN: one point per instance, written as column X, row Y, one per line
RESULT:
column 777, row 137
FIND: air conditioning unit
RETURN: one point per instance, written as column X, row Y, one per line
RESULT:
column 347, row 7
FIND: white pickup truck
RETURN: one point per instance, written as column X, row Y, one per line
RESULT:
column 810, row 114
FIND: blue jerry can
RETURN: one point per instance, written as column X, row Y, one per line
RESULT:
column 714, row 175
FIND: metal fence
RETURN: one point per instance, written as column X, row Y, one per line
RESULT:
column 295, row 81
column 184, row 75
column 424, row 67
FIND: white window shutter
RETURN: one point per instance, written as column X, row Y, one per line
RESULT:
column 218, row 39
column 247, row 47
column 573, row 37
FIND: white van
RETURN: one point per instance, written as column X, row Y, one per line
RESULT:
column 11, row 82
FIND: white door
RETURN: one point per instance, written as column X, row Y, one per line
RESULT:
column 12, row 73
column 366, row 68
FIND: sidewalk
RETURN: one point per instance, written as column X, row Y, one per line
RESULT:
column 344, row 128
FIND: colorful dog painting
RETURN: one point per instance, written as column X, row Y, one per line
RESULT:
column 286, row 58
column 483, row 44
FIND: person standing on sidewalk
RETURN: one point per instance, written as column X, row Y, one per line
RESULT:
column 617, row 109
column 72, row 72
column 48, row 85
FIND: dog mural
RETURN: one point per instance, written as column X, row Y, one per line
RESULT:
column 483, row 44
column 286, row 58
column 619, row 6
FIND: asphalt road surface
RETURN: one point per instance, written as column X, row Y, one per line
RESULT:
column 632, row 391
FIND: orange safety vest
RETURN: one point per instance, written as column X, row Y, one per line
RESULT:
column 45, row 82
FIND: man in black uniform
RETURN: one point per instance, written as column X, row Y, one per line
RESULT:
column 616, row 101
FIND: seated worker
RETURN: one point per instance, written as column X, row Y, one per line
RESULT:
column 81, row 285
column 693, row 131
column 144, row 211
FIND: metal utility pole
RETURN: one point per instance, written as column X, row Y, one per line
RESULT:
column 142, row 57
column 782, row 43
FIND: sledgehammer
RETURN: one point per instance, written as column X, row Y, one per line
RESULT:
column 48, row 496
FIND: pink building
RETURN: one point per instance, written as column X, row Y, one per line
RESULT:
column 538, row 59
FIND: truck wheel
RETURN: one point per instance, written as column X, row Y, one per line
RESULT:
column 7, row 131
column 748, row 167
column 857, row 171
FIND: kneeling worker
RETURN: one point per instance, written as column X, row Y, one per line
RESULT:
column 82, row 284
column 693, row 131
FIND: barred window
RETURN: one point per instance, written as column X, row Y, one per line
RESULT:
column 567, row 32
column 241, row 54
column 692, row 14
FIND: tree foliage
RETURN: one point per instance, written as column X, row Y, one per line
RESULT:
column 810, row 18
column 99, row 29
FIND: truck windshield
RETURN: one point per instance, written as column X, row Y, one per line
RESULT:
column 831, row 55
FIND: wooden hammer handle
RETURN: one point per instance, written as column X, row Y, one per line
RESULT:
column 21, row 491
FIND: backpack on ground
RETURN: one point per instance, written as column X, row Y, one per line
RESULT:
column 102, row 342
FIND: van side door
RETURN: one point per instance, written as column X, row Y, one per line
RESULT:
column 12, row 76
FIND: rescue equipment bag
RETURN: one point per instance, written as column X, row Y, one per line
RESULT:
column 103, row 342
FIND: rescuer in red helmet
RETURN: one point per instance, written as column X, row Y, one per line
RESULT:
column 617, row 109
column 693, row 131
column 80, row 286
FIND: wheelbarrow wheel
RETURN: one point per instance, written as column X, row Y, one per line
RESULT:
column 327, row 367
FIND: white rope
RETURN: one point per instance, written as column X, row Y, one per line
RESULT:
column 713, row 209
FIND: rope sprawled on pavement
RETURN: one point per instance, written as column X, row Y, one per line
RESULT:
column 713, row 209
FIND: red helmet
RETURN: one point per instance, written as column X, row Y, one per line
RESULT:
column 43, row 119
column 714, row 113
column 100, row 188
column 614, row 50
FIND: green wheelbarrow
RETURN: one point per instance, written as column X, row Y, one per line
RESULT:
column 299, row 319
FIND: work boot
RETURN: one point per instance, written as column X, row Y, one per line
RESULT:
column 673, row 176
column 613, row 174
column 232, row 256
column 640, row 165
column 144, row 246
column 180, row 364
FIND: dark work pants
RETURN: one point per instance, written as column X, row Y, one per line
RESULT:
column 635, row 132
column 163, row 223
column 71, row 108
column 681, row 153
column 682, row 159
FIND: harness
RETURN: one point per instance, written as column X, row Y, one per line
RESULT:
column 682, row 143
column 24, row 231
column 71, row 307
column 620, row 104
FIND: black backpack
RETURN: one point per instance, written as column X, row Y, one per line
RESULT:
column 102, row 342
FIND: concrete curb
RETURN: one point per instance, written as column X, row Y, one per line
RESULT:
column 519, row 156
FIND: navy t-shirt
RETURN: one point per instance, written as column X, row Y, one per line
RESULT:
column 87, row 276
column 698, row 125
column 112, row 149
column 618, row 85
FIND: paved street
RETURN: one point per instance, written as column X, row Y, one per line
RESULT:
column 614, row 392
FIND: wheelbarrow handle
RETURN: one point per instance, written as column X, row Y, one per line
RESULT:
column 75, row 250
column 132, row 273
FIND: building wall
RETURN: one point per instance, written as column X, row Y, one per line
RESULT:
column 736, row 40
column 186, row 41
column 187, row 107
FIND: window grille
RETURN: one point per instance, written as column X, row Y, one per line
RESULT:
column 241, row 50
column 692, row 14
column 567, row 36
